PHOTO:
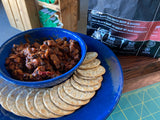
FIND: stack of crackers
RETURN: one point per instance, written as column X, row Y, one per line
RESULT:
column 59, row 100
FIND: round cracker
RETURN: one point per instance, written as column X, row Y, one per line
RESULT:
column 76, row 94
column 2, row 83
column 30, row 104
column 94, row 72
column 84, row 87
column 69, row 99
column 11, row 99
column 92, row 64
column 88, row 82
column 89, row 57
column 52, row 107
column 20, row 103
column 38, row 102
column 84, row 77
column 59, row 102
column 3, row 94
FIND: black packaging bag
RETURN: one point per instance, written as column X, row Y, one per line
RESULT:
column 130, row 27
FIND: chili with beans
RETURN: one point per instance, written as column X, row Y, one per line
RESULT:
column 35, row 62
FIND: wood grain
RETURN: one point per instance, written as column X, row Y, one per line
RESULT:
column 139, row 71
column 9, row 13
column 65, row 16
column 74, row 14
column 32, row 13
column 63, row 4
column 16, row 14
column 24, row 14
column 141, row 81
column 134, row 66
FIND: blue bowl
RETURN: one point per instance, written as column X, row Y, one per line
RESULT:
column 40, row 34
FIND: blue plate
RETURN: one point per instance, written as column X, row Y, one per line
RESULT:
column 106, row 98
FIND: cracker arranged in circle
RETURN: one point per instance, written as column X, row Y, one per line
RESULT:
column 89, row 82
column 69, row 99
column 89, row 57
column 20, row 103
column 4, row 93
column 38, row 102
column 3, row 96
column 76, row 94
column 2, row 83
column 30, row 104
column 11, row 99
column 85, row 77
column 94, row 72
column 85, row 87
column 59, row 102
column 92, row 64
column 52, row 107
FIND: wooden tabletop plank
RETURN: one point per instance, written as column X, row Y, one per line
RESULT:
column 141, row 81
column 134, row 66
column 139, row 71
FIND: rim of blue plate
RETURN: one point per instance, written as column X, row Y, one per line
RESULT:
column 4, row 76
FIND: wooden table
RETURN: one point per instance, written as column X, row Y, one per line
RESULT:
column 139, row 71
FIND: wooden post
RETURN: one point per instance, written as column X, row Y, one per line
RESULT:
column 74, row 14
column 33, row 14
column 9, row 13
column 22, row 14
column 65, row 15
column 16, row 14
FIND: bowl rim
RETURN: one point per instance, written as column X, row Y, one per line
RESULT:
column 19, row 82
